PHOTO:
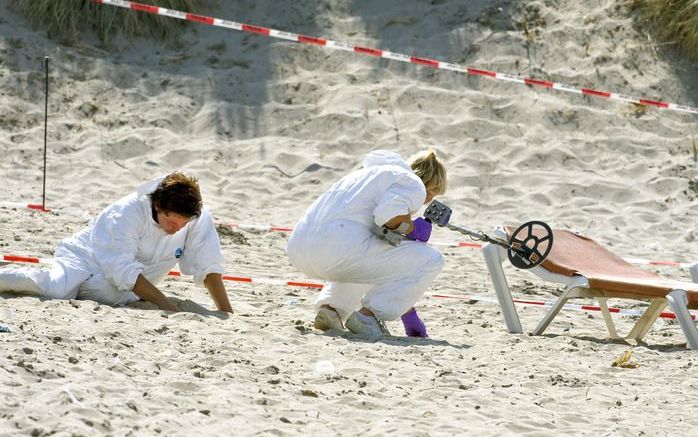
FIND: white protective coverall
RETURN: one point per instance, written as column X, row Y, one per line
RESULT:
column 103, row 261
column 337, row 241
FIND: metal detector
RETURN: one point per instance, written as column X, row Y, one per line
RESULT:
column 524, row 246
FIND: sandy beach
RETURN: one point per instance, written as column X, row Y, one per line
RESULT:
column 267, row 126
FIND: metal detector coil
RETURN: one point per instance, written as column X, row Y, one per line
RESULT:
column 527, row 247
column 525, row 244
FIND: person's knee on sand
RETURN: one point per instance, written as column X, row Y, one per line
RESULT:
column 56, row 282
column 14, row 281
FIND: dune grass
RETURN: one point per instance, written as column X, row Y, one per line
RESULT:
column 67, row 20
column 673, row 21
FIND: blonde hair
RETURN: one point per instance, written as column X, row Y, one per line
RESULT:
column 430, row 170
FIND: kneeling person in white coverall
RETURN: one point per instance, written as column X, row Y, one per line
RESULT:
column 130, row 247
column 370, row 280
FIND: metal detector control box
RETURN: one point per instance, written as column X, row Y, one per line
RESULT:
column 438, row 213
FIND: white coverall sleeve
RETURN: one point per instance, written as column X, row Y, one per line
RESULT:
column 403, row 197
column 202, row 251
column 114, row 240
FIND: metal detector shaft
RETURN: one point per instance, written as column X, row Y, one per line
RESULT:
column 522, row 247
column 480, row 236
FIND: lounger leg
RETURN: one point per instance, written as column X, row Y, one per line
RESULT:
column 506, row 302
column 557, row 306
column 647, row 319
column 694, row 272
column 679, row 304
column 607, row 318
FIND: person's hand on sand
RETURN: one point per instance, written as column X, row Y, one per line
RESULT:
column 214, row 284
column 148, row 292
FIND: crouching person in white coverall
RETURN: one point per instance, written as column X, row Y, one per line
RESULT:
column 370, row 280
column 130, row 247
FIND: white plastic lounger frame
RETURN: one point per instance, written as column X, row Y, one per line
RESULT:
column 578, row 286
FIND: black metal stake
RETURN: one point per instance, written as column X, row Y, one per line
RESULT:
column 43, row 195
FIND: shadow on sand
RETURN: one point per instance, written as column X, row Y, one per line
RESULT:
column 394, row 340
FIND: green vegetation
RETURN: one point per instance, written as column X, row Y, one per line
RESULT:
column 67, row 20
column 673, row 21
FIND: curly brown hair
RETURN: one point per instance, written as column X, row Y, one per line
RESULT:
column 178, row 193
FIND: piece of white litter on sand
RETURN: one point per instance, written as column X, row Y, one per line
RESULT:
column 72, row 397
column 324, row 367
column 6, row 319
column 6, row 315
column 653, row 245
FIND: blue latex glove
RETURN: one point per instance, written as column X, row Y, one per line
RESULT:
column 421, row 231
column 414, row 327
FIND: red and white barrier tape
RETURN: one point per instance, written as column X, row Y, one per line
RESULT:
column 266, row 228
column 257, row 228
column 319, row 285
column 32, row 206
column 233, row 278
column 77, row 212
column 330, row 44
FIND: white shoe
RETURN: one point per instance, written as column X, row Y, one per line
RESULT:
column 366, row 326
column 328, row 319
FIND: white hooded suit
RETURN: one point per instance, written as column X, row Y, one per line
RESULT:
column 103, row 261
column 337, row 241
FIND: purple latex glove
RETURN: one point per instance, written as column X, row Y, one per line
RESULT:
column 421, row 231
column 414, row 327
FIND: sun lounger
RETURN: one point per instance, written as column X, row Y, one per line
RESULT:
column 589, row 270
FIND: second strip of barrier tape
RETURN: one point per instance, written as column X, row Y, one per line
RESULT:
column 319, row 285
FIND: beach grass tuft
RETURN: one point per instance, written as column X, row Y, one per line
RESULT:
column 675, row 22
column 67, row 20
